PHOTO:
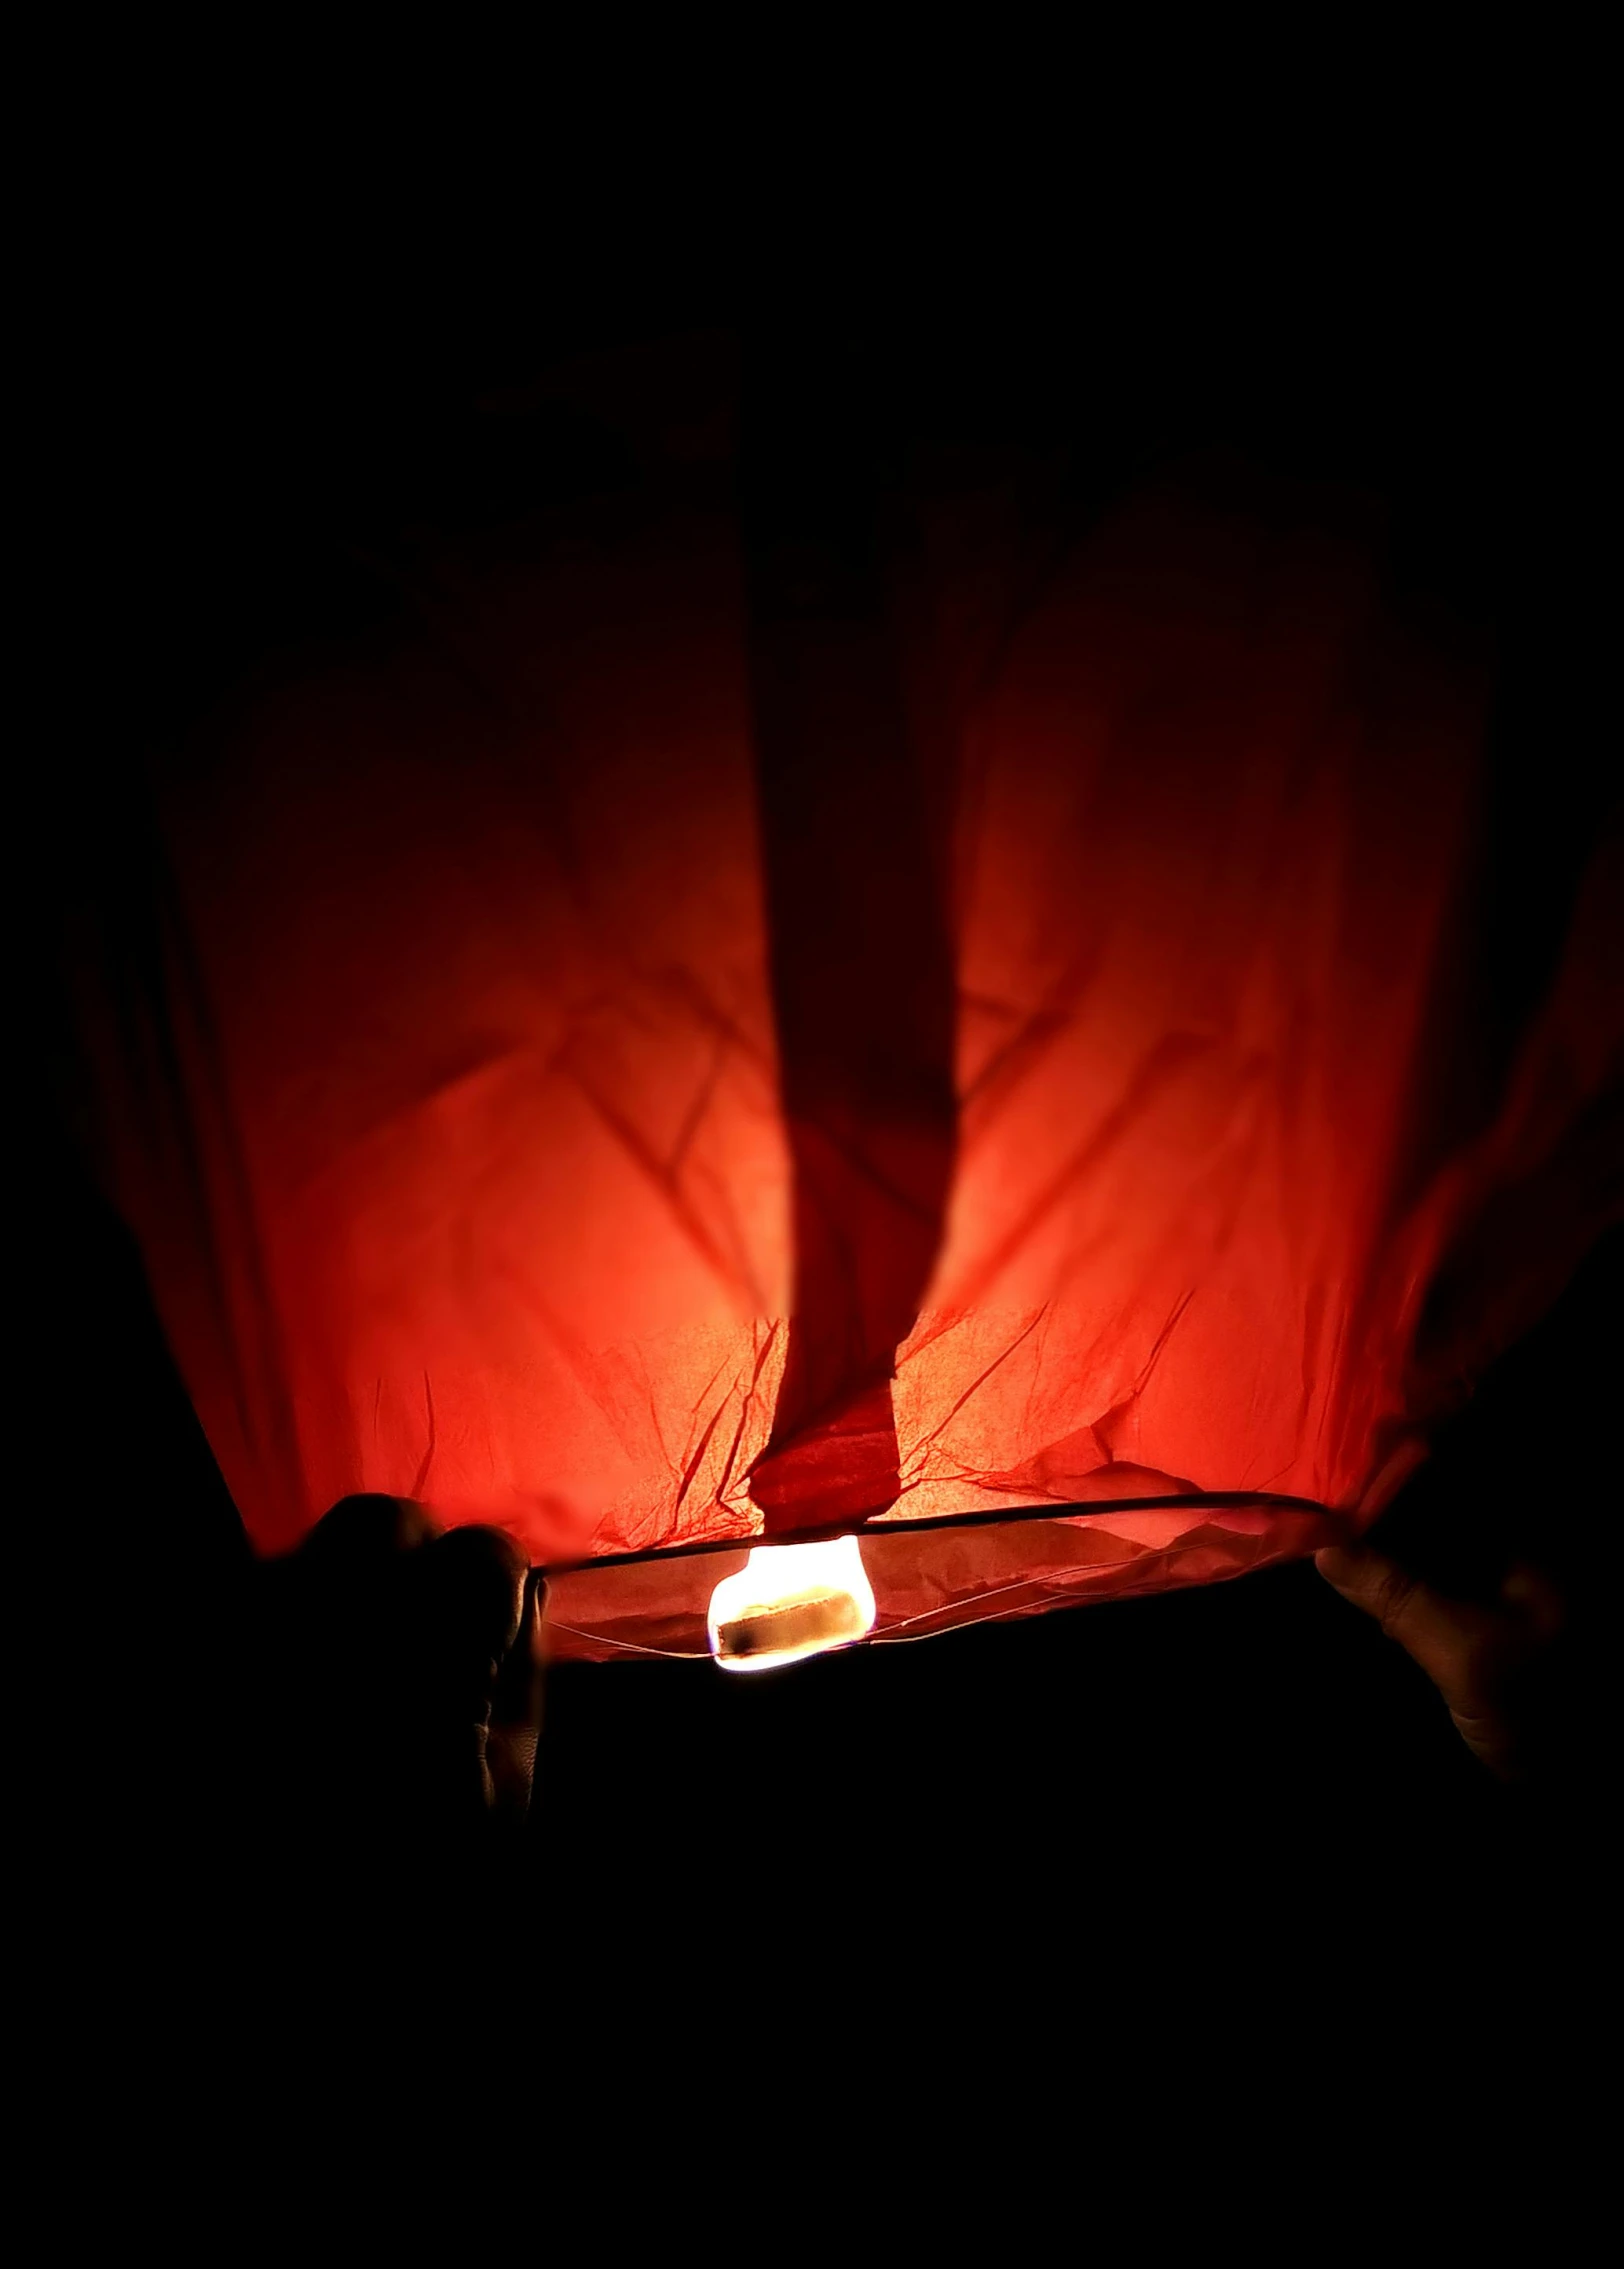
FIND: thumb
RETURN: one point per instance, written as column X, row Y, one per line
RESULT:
column 472, row 1593
column 515, row 1726
column 1470, row 1651
column 1408, row 1610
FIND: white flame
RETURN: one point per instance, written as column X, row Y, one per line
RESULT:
column 791, row 1600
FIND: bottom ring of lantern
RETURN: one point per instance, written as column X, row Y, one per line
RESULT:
column 751, row 1603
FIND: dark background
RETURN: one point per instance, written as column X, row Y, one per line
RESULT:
column 1244, row 1784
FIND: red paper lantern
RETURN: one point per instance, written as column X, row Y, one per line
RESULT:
column 841, row 1016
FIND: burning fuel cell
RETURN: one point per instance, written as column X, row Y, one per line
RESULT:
column 790, row 1601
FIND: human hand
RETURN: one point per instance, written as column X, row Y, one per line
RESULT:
column 1497, row 1662
column 392, row 1682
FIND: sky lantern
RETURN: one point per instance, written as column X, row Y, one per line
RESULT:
column 841, row 1042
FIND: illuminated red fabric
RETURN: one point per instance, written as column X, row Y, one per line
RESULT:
column 686, row 1035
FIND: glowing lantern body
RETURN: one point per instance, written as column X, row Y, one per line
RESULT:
column 683, row 1039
